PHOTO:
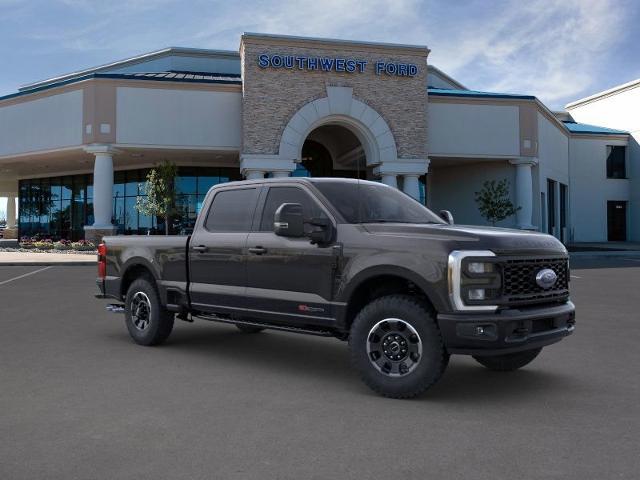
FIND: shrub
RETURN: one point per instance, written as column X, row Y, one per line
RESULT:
column 83, row 246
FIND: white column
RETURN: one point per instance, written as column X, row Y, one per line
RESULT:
column 411, row 185
column 409, row 169
column 280, row 174
column 390, row 179
column 102, row 192
column 253, row 174
column 524, row 191
column 11, row 212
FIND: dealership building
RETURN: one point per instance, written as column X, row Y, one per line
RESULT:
column 75, row 149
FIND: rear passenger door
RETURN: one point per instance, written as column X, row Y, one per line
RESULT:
column 217, row 255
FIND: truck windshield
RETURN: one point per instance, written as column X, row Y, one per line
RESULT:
column 371, row 203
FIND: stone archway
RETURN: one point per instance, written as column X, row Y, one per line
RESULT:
column 340, row 108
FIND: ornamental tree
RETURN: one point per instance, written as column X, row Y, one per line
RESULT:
column 160, row 193
column 493, row 201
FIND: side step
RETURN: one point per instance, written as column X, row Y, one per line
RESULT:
column 271, row 326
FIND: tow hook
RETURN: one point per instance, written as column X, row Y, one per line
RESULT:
column 115, row 308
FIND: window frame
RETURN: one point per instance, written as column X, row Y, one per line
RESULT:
column 608, row 150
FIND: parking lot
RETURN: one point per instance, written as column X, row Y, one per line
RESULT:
column 79, row 400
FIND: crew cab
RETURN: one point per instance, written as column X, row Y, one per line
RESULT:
column 351, row 259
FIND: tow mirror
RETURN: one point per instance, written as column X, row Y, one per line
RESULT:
column 288, row 220
column 446, row 216
column 321, row 230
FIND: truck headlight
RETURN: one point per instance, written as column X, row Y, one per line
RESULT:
column 474, row 280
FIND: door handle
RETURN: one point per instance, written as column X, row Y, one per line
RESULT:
column 200, row 248
column 258, row 250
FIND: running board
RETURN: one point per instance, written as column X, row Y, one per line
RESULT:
column 271, row 326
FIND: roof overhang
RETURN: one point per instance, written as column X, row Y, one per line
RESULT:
column 605, row 93
column 145, row 57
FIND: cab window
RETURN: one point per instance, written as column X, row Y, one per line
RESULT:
column 232, row 210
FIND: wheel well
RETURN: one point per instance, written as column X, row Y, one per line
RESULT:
column 131, row 274
column 380, row 286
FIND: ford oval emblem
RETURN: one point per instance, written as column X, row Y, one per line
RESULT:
column 546, row 278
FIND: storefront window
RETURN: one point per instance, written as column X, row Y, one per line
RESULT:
column 60, row 207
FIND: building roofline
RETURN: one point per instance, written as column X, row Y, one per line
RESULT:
column 118, row 76
column 604, row 93
column 445, row 92
column 446, row 76
column 336, row 41
column 131, row 61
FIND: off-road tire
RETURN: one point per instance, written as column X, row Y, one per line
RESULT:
column 418, row 316
column 160, row 320
column 508, row 362
column 248, row 328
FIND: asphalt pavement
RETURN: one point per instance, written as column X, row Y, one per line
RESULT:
column 79, row 400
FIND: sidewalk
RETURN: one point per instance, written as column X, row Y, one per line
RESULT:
column 46, row 259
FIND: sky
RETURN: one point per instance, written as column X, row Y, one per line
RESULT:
column 558, row 50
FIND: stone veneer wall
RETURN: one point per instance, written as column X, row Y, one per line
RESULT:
column 271, row 96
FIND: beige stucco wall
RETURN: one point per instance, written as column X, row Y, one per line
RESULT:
column 272, row 96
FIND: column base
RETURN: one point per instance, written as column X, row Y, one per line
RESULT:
column 94, row 234
column 10, row 233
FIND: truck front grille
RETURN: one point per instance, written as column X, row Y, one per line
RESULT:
column 519, row 281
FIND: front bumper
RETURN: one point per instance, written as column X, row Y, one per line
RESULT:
column 506, row 331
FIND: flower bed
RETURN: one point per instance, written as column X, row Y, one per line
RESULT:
column 47, row 245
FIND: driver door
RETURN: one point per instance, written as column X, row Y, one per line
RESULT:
column 289, row 278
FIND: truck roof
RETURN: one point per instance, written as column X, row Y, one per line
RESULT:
column 304, row 180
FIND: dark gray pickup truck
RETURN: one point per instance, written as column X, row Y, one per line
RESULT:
column 350, row 259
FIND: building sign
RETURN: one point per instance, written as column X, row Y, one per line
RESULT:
column 331, row 64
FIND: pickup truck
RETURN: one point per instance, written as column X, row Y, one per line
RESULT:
column 351, row 259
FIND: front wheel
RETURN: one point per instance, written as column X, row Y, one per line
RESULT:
column 508, row 362
column 396, row 346
column 148, row 322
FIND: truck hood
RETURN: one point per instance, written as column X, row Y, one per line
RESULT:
column 468, row 237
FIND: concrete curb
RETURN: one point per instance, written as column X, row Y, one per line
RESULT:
column 47, row 264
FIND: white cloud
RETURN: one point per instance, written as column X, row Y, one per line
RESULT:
column 554, row 49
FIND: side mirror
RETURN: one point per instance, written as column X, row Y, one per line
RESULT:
column 288, row 220
column 321, row 230
column 446, row 216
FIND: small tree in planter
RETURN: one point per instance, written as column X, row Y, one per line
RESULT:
column 493, row 201
column 160, row 199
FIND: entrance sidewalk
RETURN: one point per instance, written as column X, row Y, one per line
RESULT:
column 33, row 258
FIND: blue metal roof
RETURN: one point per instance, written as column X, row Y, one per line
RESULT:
column 444, row 92
column 575, row 127
column 187, row 77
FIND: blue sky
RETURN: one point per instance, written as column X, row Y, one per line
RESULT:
column 557, row 50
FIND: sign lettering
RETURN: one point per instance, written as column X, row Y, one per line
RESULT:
column 331, row 64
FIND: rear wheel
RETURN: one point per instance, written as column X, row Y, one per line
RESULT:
column 397, row 347
column 508, row 362
column 248, row 328
column 148, row 322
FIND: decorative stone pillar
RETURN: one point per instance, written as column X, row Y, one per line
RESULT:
column 524, row 191
column 411, row 185
column 11, row 232
column 253, row 174
column 102, row 193
column 254, row 166
column 409, row 169
column 390, row 179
